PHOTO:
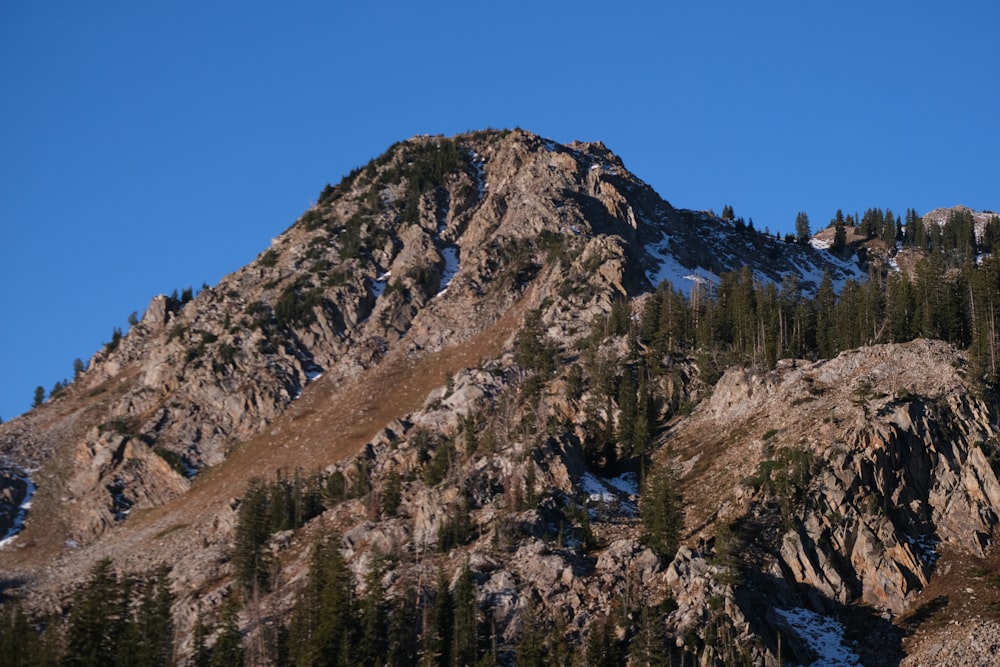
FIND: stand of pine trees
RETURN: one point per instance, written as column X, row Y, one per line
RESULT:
column 744, row 321
column 114, row 620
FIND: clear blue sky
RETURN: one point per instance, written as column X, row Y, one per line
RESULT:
column 151, row 146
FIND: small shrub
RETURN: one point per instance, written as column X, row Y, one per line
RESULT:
column 269, row 258
column 173, row 459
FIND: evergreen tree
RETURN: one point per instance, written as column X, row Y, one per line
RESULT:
column 826, row 299
column 839, row 238
column 403, row 633
column 914, row 233
column 604, row 649
column 627, row 407
column 228, row 649
column 990, row 242
column 436, row 640
column 372, row 648
column 642, row 433
column 201, row 655
column 39, row 396
column 649, row 647
column 984, row 308
column 251, row 558
column 98, row 618
column 890, row 230
column 149, row 637
column 20, row 644
column 322, row 628
column 661, row 509
column 531, row 642
column 465, row 624
column 802, row 232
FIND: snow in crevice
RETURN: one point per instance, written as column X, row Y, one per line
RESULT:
column 823, row 635
column 478, row 163
column 121, row 506
column 615, row 495
column 926, row 547
column 450, row 254
column 22, row 511
column 820, row 244
column 379, row 284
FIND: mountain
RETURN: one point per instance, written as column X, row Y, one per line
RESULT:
column 461, row 366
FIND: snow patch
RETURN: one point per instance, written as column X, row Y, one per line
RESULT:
column 670, row 270
column 22, row 510
column 450, row 255
column 627, row 483
column 822, row 634
column 607, row 494
column 478, row 162
column 926, row 547
column 820, row 244
column 379, row 284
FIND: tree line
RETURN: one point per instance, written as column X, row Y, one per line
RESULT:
column 743, row 320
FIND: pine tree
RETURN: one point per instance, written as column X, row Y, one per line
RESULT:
column 649, row 647
column 437, row 636
column 465, row 624
column 839, row 238
column 201, row 655
column 603, row 647
column 642, row 433
column 251, row 558
column 98, row 619
column 802, row 232
column 148, row 639
column 322, row 628
column 890, row 229
column 228, row 649
column 661, row 509
column 372, row 647
column 20, row 644
column 627, row 407
column 403, row 633
column 531, row 641
column 826, row 299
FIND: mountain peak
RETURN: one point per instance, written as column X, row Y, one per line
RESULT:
column 463, row 358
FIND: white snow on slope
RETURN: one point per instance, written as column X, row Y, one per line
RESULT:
column 809, row 269
column 627, row 483
column 450, row 255
column 22, row 511
column 608, row 493
column 670, row 270
column 824, row 635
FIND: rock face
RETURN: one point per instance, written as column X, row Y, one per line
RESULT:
column 417, row 340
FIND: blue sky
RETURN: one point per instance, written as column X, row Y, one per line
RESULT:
column 146, row 147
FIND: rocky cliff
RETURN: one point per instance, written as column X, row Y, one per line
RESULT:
column 435, row 343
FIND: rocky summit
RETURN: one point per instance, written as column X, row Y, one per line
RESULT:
column 494, row 399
